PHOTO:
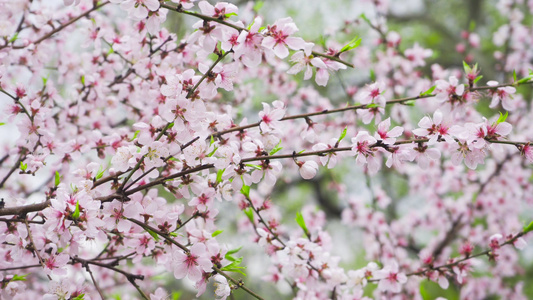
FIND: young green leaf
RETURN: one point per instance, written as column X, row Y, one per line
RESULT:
column 219, row 175
column 301, row 222
column 528, row 228
column 19, row 277
column 343, row 134
column 257, row 167
column 250, row 214
column 153, row 234
column 257, row 6
column 429, row 91
column 502, row 117
column 245, row 190
column 176, row 295
column 233, row 251
column 217, row 232
column 276, row 149
column 57, row 179
column 524, row 80
column 354, row 43
column 478, row 79
column 23, row 166
column 514, row 75
column 135, row 135
column 76, row 213
column 466, row 67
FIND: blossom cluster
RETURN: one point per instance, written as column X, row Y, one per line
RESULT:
column 136, row 156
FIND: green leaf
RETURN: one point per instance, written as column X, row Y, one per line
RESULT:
column 217, row 232
column 135, row 135
column 363, row 16
column 80, row 297
column 524, row 80
column 250, row 214
column 176, row 295
column 472, row 26
column 57, row 179
column 466, row 67
column 19, row 277
column 23, row 166
column 212, row 152
column 502, row 117
column 478, row 79
column 233, row 251
column 409, row 103
column 2, row 123
column 153, row 234
column 82, row 79
column 45, row 80
column 257, row 167
column 429, row 91
column 219, row 175
column 258, row 5
column 229, row 15
column 234, row 267
column 100, row 173
column 14, row 38
column 276, row 149
column 372, row 75
column 76, row 213
column 211, row 141
column 343, row 134
column 514, row 75
column 245, row 190
column 354, row 43
column 371, row 105
column 528, row 228
column 301, row 222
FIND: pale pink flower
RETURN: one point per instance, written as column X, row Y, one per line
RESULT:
column 423, row 155
column 223, row 289
column 186, row 4
column 390, row 279
column 451, row 91
column 270, row 117
column 154, row 154
column 387, row 137
column 55, row 264
column 527, row 151
column 248, row 45
column 434, row 128
column 138, row 9
column 503, row 94
column 373, row 93
column 279, row 38
column 361, row 146
column 192, row 263
column 308, row 169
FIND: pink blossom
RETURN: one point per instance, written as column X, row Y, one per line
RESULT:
column 450, row 92
column 308, row 169
column 270, row 117
column 390, row 279
column 223, row 289
column 278, row 38
column 434, row 128
column 361, row 146
column 248, row 47
column 388, row 137
column 503, row 94
column 191, row 263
